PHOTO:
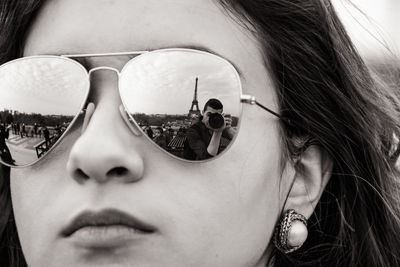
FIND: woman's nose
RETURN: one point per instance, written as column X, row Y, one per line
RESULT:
column 106, row 150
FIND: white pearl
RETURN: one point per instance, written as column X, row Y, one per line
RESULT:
column 297, row 234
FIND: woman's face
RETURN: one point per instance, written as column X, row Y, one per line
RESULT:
column 216, row 213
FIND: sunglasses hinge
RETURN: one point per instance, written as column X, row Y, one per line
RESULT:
column 249, row 99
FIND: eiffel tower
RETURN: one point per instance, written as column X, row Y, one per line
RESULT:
column 194, row 109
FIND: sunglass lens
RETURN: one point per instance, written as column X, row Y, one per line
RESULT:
column 166, row 92
column 39, row 98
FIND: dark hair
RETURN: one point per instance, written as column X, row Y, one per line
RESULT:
column 15, row 18
column 160, row 129
column 213, row 103
column 324, row 87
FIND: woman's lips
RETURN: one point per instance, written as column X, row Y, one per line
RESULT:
column 107, row 228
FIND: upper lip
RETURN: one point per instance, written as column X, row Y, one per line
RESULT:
column 103, row 218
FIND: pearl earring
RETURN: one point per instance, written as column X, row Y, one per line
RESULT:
column 291, row 232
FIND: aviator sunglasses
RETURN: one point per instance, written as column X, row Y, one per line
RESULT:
column 163, row 93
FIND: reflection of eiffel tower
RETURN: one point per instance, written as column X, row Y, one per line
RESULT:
column 194, row 109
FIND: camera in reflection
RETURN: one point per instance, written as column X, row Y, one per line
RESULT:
column 216, row 120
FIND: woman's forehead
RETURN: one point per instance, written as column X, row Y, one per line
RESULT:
column 92, row 26
column 131, row 25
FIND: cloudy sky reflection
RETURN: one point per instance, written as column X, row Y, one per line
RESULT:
column 164, row 83
column 43, row 85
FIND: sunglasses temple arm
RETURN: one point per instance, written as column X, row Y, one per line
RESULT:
column 252, row 100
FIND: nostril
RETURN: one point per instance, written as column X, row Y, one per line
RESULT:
column 80, row 174
column 117, row 171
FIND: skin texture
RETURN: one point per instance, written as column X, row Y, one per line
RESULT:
column 218, row 213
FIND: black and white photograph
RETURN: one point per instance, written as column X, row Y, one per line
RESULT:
column 199, row 133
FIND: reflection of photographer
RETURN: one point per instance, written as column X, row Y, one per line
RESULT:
column 204, row 137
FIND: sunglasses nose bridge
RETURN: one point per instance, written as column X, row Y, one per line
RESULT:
column 132, row 125
column 103, row 68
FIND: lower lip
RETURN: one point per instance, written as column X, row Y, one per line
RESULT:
column 107, row 236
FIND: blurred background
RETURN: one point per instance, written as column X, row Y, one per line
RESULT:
column 374, row 26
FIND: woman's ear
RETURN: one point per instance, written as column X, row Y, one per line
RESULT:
column 312, row 172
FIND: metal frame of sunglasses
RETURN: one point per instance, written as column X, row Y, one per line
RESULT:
column 135, row 128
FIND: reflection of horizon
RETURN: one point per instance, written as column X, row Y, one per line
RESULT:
column 182, row 119
column 12, row 111
column 158, row 114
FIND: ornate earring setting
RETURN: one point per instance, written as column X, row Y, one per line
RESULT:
column 291, row 231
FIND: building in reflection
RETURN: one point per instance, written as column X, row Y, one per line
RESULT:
column 194, row 111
